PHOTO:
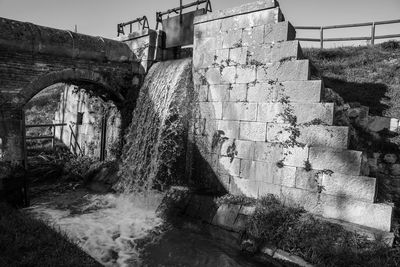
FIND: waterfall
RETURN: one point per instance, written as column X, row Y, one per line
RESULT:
column 154, row 150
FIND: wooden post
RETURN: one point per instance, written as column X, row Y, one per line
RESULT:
column 322, row 37
column 373, row 33
column 180, row 12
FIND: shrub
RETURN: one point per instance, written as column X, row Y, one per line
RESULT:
column 390, row 45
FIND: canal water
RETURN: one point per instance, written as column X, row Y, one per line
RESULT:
column 121, row 230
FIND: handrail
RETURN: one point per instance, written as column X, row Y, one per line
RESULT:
column 45, row 125
column 52, row 137
column 143, row 21
column 370, row 38
column 175, row 10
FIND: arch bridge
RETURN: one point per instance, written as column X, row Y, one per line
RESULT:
column 34, row 57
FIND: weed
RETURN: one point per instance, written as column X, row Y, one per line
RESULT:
column 307, row 166
column 280, row 164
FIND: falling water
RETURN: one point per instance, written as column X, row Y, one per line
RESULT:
column 154, row 152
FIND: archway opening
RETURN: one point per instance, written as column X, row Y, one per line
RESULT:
column 70, row 128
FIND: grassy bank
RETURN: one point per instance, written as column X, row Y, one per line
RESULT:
column 318, row 242
column 369, row 75
column 28, row 242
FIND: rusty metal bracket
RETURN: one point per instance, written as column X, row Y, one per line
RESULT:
column 142, row 22
column 179, row 10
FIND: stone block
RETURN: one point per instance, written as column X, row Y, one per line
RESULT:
column 265, row 189
column 218, row 92
column 274, row 152
column 238, row 56
column 267, row 172
column 202, row 93
column 337, row 160
column 300, row 198
column 378, row 216
column 234, row 11
column 313, row 135
column 295, row 156
column 308, row 179
column 327, row 136
column 304, row 112
column 257, row 171
column 245, row 187
column 253, row 131
column 229, row 166
column 302, row 91
column 260, row 54
column 226, row 146
column 210, row 128
column 245, row 149
column 256, row 18
column 253, row 36
column 246, row 74
column 232, row 38
column 226, row 215
column 291, row 70
column 230, row 128
column 268, row 152
column 208, row 29
column 221, row 56
column 238, row 92
column 356, row 187
column 286, row 51
column 279, row 32
column 210, row 110
column 212, row 76
column 203, row 59
column 229, row 75
column 239, row 111
column 199, row 77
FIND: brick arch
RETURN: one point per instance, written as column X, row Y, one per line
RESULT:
column 100, row 84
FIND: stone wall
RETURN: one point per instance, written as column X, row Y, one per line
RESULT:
column 74, row 101
column 259, row 125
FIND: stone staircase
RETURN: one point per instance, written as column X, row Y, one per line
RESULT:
column 260, row 124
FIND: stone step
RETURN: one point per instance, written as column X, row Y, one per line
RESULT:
column 258, row 54
column 304, row 112
column 234, row 217
column 370, row 233
column 343, row 161
column 291, row 70
column 296, row 91
column 312, row 135
column 373, row 215
column 288, row 70
column 361, row 188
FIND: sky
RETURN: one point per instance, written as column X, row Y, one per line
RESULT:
column 100, row 17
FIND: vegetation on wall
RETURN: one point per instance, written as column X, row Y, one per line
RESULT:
column 319, row 242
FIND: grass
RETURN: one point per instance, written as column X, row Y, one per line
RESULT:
column 369, row 75
column 318, row 242
column 28, row 242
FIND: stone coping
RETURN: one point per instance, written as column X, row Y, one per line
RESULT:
column 31, row 38
column 240, row 10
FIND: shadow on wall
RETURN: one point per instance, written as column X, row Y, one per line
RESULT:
column 372, row 95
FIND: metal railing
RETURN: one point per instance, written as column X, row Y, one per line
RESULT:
column 142, row 22
column 41, row 137
column 179, row 10
column 370, row 38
